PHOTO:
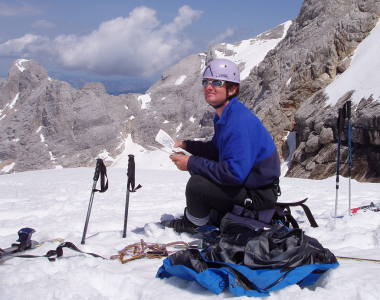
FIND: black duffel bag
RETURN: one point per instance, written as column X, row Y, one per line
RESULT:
column 277, row 247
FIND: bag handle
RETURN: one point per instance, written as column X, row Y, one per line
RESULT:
column 306, row 209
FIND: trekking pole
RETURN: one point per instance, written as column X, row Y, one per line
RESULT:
column 126, row 214
column 340, row 125
column 99, row 169
column 130, row 188
column 348, row 103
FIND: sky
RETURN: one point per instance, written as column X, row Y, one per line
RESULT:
column 128, row 39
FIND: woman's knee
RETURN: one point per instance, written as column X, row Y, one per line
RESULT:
column 195, row 184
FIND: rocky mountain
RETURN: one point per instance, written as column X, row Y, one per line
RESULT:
column 300, row 93
column 46, row 123
column 113, row 87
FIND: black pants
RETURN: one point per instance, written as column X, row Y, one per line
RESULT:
column 203, row 195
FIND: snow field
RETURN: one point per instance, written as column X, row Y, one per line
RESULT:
column 55, row 202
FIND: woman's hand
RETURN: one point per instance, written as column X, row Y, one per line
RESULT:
column 180, row 160
column 180, row 144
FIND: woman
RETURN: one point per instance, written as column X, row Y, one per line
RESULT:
column 240, row 162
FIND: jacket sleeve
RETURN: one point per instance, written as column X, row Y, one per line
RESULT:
column 238, row 157
column 203, row 149
column 218, row 172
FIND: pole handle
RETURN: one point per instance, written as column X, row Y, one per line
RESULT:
column 131, row 172
column 98, row 168
column 341, row 120
column 348, row 109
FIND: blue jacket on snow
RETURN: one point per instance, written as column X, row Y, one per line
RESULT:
column 242, row 152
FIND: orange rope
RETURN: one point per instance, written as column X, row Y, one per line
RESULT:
column 142, row 249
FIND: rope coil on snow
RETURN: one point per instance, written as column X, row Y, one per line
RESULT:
column 142, row 249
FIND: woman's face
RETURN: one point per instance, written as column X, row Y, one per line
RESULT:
column 215, row 95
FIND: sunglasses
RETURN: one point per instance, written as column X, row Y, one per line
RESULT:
column 215, row 82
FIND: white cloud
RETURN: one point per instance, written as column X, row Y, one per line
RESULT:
column 28, row 45
column 185, row 17
column 221, row 37
column 18, row 8
column 137, row 45
column 43, row 24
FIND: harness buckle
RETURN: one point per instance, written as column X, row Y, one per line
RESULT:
column 247, row 202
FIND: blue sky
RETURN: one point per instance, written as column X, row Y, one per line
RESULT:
column 127, row 38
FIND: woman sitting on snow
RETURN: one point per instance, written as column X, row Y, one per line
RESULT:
column 240, row 162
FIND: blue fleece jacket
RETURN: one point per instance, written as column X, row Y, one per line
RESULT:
column 242, row 151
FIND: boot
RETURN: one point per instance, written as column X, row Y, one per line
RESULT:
column 181, row 225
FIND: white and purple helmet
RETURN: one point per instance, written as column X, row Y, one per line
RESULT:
column 222, row 69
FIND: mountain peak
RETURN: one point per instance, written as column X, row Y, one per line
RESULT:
column 28, row 69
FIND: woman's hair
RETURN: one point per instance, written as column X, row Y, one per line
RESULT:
column 231, row 84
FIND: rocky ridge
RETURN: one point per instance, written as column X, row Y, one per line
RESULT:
column 45, row 123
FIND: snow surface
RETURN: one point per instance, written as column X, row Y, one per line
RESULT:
column 55, row 203
column 251, row 52
column 363, row 74
column 292, row 143
column 13, row 103
column 19, row 63
column 180, row 80
column 9, row 105
column 145, row 99
column 1, row 115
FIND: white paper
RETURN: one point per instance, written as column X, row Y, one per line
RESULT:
column 165, row 140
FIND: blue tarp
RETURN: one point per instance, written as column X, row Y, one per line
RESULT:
column 262, row 281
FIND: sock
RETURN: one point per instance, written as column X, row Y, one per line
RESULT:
column 196, row 221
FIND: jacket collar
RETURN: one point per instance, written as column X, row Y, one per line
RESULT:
column 224, row 115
